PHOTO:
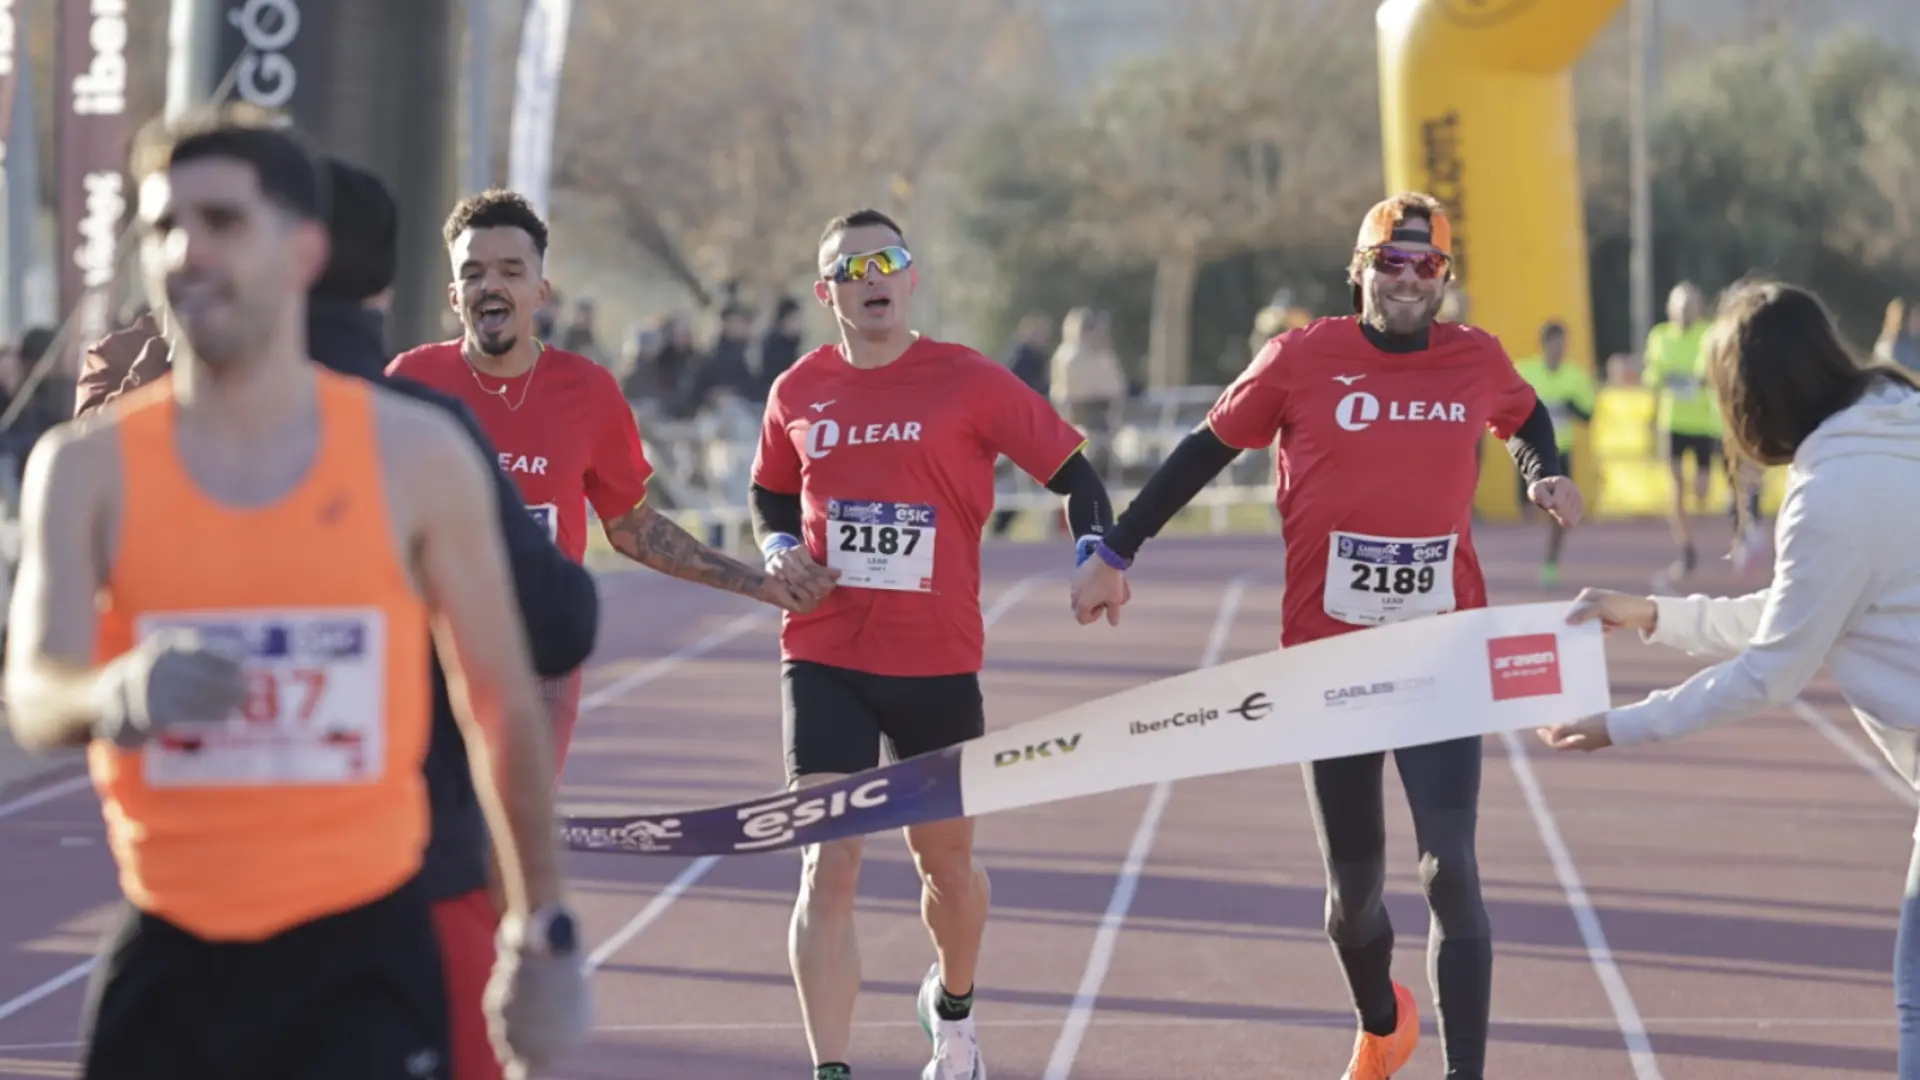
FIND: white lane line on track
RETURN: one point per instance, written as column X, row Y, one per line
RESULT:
column 589, row 702
column 49, row 988
column 1107, row 937
column 45, row 795
column 1875, row 766
column 1633, row 1029
column 687, row 878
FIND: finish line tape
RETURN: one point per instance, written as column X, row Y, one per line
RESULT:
column 1450, row 676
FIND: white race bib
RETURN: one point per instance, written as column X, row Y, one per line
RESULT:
column 315, row 711
column 1683, row 387
column 547, row 516
column 1372, row 580
column 881, row 545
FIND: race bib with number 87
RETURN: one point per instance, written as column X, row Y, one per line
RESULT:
column 1374, row 580
column 316, row 702
column 881, row 545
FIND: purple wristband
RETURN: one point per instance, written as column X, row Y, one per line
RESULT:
column 1111, row 557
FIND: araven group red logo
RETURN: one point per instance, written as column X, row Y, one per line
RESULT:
column 1525, row 665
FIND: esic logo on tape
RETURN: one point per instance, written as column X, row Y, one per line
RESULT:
column 772, row 823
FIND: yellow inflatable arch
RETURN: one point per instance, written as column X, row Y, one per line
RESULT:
column 1476, row 102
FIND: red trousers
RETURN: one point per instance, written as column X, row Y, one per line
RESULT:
column 466, row 925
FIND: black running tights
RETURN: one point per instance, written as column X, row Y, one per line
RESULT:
column 1442, row 783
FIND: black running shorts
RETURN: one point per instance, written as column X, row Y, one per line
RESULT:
column 356, row 995
column 1702, row 448
column 834, row 719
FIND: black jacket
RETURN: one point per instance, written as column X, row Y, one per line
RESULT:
column 558, row 601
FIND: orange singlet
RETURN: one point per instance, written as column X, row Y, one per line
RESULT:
column 312, row 800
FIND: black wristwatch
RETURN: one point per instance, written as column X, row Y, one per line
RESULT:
column 550, row 931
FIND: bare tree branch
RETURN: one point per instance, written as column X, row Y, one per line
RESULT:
column 728, row 130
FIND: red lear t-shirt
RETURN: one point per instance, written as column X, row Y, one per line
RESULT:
column 1376, row 467
column 563, row 431
column 894, row 469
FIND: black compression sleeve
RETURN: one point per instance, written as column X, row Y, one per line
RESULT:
column 1192, row 466
column 1089, row 510
column 773, row 512
column 1534, row 448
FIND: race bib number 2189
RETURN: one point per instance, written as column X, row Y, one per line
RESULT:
column 881, row 545
column 1373, row 580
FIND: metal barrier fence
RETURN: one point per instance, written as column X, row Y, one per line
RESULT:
column 702, row 466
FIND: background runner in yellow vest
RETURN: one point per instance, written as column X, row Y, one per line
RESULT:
column 1568, row 393
column 1686, row 419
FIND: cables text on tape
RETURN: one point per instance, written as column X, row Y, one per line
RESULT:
column 1428, row 680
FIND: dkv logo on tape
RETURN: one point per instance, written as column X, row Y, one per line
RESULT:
column 1465, row 673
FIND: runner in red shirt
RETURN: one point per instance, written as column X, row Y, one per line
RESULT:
column 877, row 460
column 561, row 426
column 1377, row 419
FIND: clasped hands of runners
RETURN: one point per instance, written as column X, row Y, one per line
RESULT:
column 1100, row 589
column 800, row 583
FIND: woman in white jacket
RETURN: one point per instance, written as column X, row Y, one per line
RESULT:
column 1846, row 575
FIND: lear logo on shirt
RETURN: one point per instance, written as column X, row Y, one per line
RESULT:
column 1359, row 411
column 1524, row 665
column 824, row 435
column 523, row 463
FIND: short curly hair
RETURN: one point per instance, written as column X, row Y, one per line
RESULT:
column 496, row 208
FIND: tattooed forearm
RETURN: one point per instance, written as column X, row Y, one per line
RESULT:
column 653, row 540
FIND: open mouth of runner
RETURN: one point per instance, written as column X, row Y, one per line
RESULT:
column 491, row 316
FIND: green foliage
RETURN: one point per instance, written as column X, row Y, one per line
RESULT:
column 1771, row 158
column 1775, row 156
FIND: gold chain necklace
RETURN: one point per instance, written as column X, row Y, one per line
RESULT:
column 501, row 391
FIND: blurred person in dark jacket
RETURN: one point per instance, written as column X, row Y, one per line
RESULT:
column 46, row 401
column 1029, row 359
column 579, row 335
column 779, row 346
column 726, row 369
column 559, row 602
column 640, row 378
column 676, row 361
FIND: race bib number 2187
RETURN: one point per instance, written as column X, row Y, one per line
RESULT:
column 881, row 545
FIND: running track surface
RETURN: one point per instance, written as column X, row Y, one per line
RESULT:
column 1719, row 907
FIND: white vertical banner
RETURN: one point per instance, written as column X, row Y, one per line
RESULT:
column 536, row 97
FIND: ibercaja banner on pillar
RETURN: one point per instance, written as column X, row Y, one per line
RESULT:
column 90, row 82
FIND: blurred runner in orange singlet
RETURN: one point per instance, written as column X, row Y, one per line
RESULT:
column 230, row 584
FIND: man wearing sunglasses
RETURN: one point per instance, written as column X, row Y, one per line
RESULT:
column 1377, row 418
column 876, row 460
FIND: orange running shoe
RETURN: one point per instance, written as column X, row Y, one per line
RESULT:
column 1377, row 1057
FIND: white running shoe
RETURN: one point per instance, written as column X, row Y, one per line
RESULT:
column 956, row 1049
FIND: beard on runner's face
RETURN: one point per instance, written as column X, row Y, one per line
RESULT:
column 1401, row 302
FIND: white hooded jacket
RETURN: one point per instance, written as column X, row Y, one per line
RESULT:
column 1845, row 591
